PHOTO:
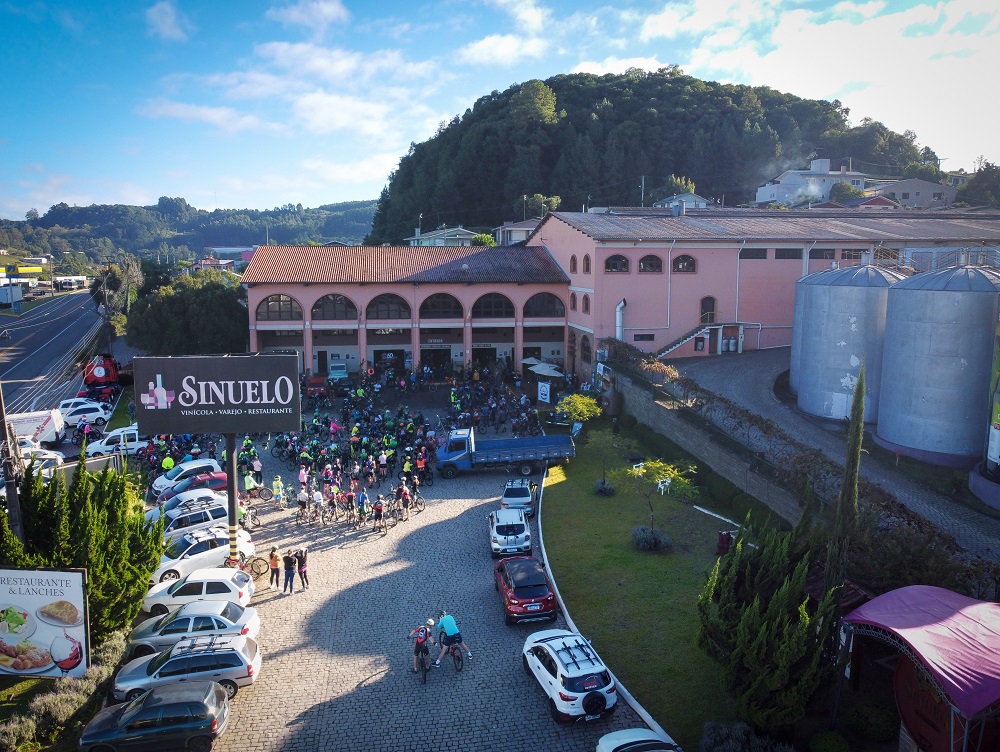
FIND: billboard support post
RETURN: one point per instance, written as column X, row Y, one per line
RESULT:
column 232, row 485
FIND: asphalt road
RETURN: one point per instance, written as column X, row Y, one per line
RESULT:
column 37, row 365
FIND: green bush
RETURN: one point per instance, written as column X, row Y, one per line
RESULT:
column 737, row 737
column 873, row 722
column 16, row 732
column 742, row 504
column 646, row 539
column 603, row 489
column 829, row 741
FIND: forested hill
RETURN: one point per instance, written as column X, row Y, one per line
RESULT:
column 174, row 226
column 590, row 140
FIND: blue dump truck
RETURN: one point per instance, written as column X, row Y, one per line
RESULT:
column 525, row 455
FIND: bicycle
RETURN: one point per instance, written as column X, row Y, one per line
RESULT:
column 423, row 661
column 260, row 492
column 455, row 650
column 417, row 502
column 255, row 566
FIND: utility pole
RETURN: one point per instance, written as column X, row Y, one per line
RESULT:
column 524, row 207
column 642, row 195
column 13, row 502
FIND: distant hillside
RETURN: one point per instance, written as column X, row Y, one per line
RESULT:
column 591, row 140
column 174, row 226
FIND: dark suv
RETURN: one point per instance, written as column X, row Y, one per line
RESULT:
column 184, row 716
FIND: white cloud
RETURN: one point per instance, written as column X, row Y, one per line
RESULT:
column 371, row 167
column 505, row 50
column 163, row 21
column 324, row 112
column 618, row 65
column 313, row 14
column 225, row 118
column 530, row 17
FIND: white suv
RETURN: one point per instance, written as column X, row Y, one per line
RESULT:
column 220, row 584
column 194, row 516
column 520, row 493
column 509, row 533
column 574, row 677
column 202, row 548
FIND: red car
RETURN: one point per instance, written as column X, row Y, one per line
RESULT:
column 525, row 590
column 214, row 481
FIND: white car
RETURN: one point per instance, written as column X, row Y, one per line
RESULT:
column 95, row 414
column 578, row 684
column 185, row 498
column 26, row 442
column 211, row 584
column 202, row 548
column 127, row 440
column 636, row 740
column 191, row 620
column 509, row 532
column 181, row 471
column 41, row 454
column 194, row 516
column 68, row 404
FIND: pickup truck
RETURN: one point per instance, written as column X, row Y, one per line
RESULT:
column 464, row 452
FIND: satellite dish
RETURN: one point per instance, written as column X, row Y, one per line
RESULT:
column 465, row 267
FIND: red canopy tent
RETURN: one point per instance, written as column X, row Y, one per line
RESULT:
column 953, row 640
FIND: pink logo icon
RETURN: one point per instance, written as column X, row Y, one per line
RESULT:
column 156, row 397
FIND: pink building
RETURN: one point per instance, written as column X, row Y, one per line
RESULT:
column 380, row 306
column 720, row 281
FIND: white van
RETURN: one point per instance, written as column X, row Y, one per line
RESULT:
column 337, row 371
column 127, row 440
column 44, row 426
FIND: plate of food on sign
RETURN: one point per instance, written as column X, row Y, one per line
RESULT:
column 15, row 623
column 60, row 614
column 24, row 657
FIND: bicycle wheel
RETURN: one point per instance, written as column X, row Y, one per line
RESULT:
column 418, row 504
column 259, row 566
column 425, row 660
column 428, row 479
column 254, row 519
column 432, row 387
column 265, row 493
column 456, row 655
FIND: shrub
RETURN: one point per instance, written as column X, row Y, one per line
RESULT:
column 16, row 732
column 737, row 737
column 873, row 722
column 603, row 489
column 829, row 741
column 645, row 538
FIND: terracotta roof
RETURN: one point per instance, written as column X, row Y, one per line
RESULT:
column 780, row 226
column 424, row 264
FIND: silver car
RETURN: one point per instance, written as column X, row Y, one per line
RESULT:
column 192, row 620
column 232, row 661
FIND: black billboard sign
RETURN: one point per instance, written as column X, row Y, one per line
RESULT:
column 217, row 394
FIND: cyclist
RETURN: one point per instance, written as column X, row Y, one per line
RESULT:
column 423, row 635
column 451, row 636
column 303, row 500
column 403, row 497
column 278, row 486
column 317, row 500
column 378, row 509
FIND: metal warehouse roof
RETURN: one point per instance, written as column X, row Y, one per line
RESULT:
column 407, row 264
column 780, row 226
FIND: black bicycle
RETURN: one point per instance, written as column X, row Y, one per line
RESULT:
column 456, row 651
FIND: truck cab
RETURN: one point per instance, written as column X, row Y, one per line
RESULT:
column 457, row 451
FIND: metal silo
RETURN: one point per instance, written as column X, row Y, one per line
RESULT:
column 796, row 355
column 839, row 325
column 936, row 366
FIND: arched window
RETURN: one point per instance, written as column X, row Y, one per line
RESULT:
column 684, row 264
column 388, row 306
column 441, row 305
column 544, row 305
column 334, row 308
column 585, row 353
column 650, row 264
column 708, row 310
column 586, row 304
column 616, row 263
column 493, row 306
column 586, row 264
column 572, row 301
column 572, row 264
column 279, row 308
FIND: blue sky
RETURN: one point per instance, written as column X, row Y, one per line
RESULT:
column 258, row 104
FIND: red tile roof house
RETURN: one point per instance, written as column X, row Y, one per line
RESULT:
column 396, row 305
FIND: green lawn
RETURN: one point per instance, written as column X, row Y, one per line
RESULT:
column 638, row 608
column 120, row 416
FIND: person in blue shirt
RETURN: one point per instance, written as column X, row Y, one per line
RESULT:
column 452, row 636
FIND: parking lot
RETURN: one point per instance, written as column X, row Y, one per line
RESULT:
column 337, row 664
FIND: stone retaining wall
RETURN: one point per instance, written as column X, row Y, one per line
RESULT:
column 738, row 470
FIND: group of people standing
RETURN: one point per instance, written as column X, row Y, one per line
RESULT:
column 291, row 562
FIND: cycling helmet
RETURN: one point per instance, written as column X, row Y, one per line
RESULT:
column 277, row 477
column 441, row 613
column 430, row 622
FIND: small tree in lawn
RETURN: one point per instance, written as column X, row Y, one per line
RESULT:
column 644, row 481
column 579, row 407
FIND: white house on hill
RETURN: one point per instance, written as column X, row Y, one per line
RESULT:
column 794, row 187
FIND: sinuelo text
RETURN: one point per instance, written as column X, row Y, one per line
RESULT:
column 201, row 393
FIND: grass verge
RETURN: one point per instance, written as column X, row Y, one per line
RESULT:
column 638, row 608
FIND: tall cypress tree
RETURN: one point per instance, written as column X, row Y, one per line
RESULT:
column 847, row 502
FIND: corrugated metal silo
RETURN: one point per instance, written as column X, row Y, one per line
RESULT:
column 936, row 366
column 839, row 326
column 796, row 355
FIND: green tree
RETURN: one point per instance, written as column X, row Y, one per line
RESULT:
column 483, row 239
column 841, row 190
column 672, row 186
column 31, row 215
column 924, row 171
column 983, row 188
column 645, row 480
column 97, row 523
column 197, row 314
column 534, row 102
column 579, row 407
column 846, row 519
